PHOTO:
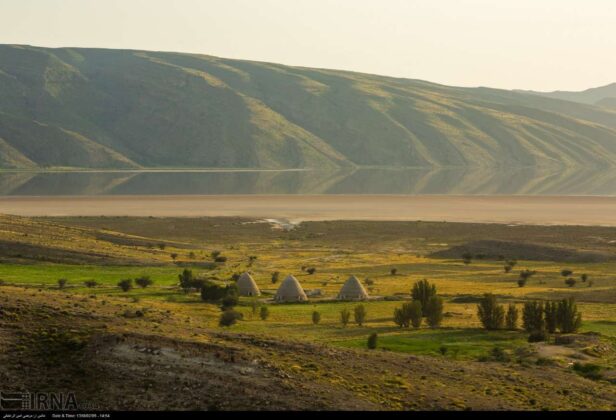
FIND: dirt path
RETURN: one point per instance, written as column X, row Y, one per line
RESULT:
column 543, row 210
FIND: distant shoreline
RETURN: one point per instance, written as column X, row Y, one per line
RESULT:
column 518, row 209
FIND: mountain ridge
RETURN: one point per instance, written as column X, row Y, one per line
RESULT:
column 109, row 109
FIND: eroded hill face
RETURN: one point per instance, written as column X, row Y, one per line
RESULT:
column 116, row 108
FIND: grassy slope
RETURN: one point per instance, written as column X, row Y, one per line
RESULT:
column 116, row 108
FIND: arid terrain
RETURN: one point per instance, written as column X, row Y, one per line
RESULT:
column 544, row 210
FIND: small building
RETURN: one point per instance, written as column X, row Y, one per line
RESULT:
column 290, row 291
column 247, row 286
column 353, row 290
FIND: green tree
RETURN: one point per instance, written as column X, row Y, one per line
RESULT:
column 393, row 271
column 490, row 313
column 144, row 281
column 125, row 285
column 186, row 280
column 551, row 316
column 372, row 341
column 264, row 313
column 316, row 317
column 90, row 283
column 231, row 297
column 434, row 311
column 532, row 317
column 423, row 291
column 566, row 272
column 229, row 318
column 569, row 319
column 345, row 316
column 570, row 282
column 584, row 277
column 511, row 319
column 275, row 277
column 416, row 313
column 360, row 314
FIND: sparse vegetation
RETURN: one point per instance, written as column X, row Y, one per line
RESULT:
column 360, row 315
column 125, row 284
column 345, row 316
column 229, row 317
column 372, row 341
column 144, row 281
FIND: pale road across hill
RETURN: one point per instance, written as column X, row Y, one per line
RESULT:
column 543, row 210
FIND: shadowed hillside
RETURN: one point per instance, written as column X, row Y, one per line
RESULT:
column 120, row 109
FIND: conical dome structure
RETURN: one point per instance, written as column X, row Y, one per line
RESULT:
column 290, row 291
column 247, row 286
column 352, row 290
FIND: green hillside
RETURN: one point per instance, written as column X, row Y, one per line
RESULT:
column 99, row 108
column 593, row 96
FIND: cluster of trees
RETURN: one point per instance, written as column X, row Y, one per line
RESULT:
column 360, row 315
column 127, row 284
column 537, row 317
column 425, row 304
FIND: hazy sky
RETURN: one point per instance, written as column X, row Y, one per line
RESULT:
column 528, row 44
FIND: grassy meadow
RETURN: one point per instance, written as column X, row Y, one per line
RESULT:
column 331, row 250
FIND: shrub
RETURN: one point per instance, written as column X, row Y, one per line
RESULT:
column 231, row 297
column 508, row 268
column 90, row 283
column 538, row 336
column 588, row 370
column 522, row 282
column 316, row 317
column 443, row 350
column 235, row 277
column 467, row 258
column 144, row 281
column 125, row 285
column 174, row 256
column 490, row 313
column 264, row 313
column 499, row 355
column 393, row 271
column 434, row 311
column 214, row 254
column 220, row 259
column 360, row 314
column 186, row 280
column 191, row 255
column 369, row 282
column 569, row 319
column 570, row 282
column 229, row 318
column 551, row 316
column 275, row 277
column 345, row 316
column 372, row 341
column 584, row 278
column 511, row 319
column 527, row 274
column 62, row 283
column 566, row 273
column 423, row 291
column 162, row 246
column 532, row 317
column 311, row 270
